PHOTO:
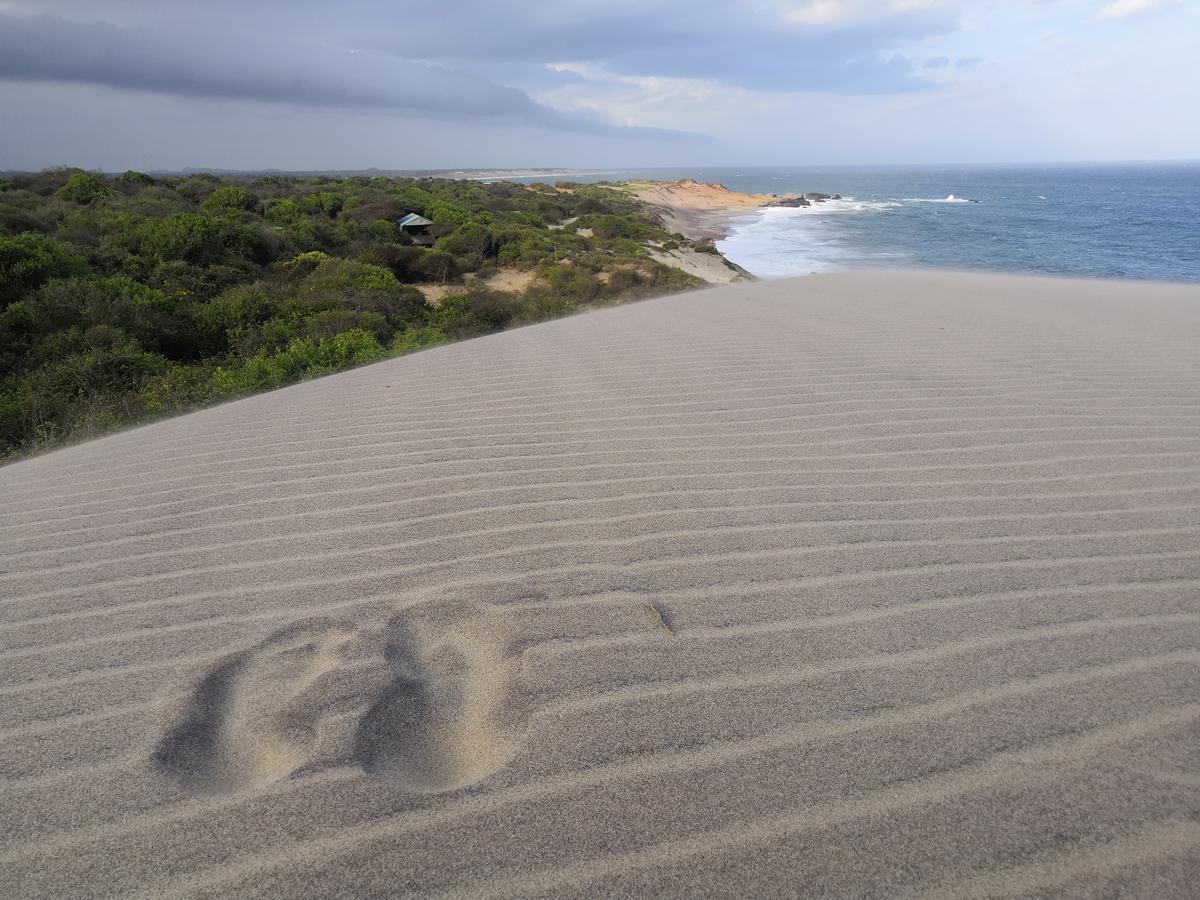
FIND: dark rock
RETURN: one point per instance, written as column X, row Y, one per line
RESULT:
column 819, row 198
column 792, row 202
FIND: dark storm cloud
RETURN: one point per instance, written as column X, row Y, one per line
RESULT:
column 762, row 44
column 268, row 69
column 756, row 43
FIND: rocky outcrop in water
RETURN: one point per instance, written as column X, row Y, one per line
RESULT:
column 799, row 200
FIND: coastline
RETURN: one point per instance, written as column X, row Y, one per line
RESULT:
column 700, row 212
column 706, row 212
column 703, row 213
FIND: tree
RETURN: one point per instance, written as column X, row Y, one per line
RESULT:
column 130, row 177
column 437, row 265
column 201, row 240
column 321, row 203
column 470, row 241
column 404, row 262
column 83, row 187
column 231, row 198
column 283, row 211
column 27, row 261
column 447, row 213
column 186, row 236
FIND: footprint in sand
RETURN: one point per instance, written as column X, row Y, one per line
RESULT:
column 453, row 715
column 247, row 723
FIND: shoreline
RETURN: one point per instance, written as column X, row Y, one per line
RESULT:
column 698, row 211
column 707, row 211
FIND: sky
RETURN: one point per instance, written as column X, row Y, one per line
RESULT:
column 438, row 84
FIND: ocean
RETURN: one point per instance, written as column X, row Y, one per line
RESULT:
column 1128, row 221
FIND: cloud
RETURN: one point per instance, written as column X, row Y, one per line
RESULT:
column 430, row 83
column 838, row 14
column 771, row 45
column 232, row 66
column 839, row 46
column 1131, row 9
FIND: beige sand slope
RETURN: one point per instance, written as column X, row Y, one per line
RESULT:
column 856, row 585
column 695, row 210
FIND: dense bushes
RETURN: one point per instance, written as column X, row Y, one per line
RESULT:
column 28, row 261
column 83, row 188
column 127, row 298
column 231, row 198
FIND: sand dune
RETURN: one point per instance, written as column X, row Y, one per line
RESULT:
column 853, row 585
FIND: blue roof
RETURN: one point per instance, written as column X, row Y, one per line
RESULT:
column 414, row 219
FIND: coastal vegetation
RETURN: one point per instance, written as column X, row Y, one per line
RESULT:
column 125, row 299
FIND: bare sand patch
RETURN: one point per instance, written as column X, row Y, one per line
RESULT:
column 709, row 267
column 434, row 292
column 511, row 280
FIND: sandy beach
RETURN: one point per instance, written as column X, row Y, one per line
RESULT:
column 852, row 585
column 697, row 211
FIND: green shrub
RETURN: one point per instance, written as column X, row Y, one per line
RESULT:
column 329, row 283
column 539, row 306
column 421, row 338
column 446, row 213
column 185, row 236
column 438, row 266
column 231, row 198
column 304, row 358
column 187, row 283
column 472, row 240
column 322, row 203
column 474, row 312
column 129, row 176
column 29, row 260
column 624, row 281
column 228, row 317
column 83, row 188
column 90, row 390
column 571, row 282
column 197, row 186
column 179, row 389
column 146, row 315
column 329, row 323
column 283, row 211
column 402, row 262
column 201, row 240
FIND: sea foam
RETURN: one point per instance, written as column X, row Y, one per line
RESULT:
column 949, row 199
column 784, row 241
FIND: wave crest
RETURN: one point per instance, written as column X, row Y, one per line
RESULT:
column 947, row 199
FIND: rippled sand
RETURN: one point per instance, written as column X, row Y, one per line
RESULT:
column 853, row 585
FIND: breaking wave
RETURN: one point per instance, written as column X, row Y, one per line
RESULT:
column 780, row 242
column 948, row 199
